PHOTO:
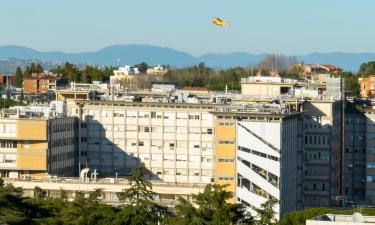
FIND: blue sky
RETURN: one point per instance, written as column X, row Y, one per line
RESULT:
column 257, row 26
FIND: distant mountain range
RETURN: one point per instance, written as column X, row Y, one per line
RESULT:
column 12, row 55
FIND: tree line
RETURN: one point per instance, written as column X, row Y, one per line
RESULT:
column 200, row 75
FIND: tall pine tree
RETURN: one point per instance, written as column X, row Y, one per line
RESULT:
column 18, row 78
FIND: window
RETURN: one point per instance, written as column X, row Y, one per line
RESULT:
column 119, row 114
column 169, row 129
column 194, row 158
column 181, row 130
column 194, row 117
column 181, row 158
column 181, row 144
column 131, row 128
column 10, row 158
column 144, row 115
column 206, row 130
column 182, row 116
column 131, row 114
column 371, row 165
column 226, row 142
column 168, row 157
column 194, row 172
column 26, row 145
column 206, row 159
column 168, row 171
column 156, row 143
column 156, row 157
column 181, row 172
column 226, row 160
column 194, row 130
column 226, row 178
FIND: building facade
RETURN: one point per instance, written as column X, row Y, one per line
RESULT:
column 40, row 83
column 367, row 86
column 29, row 144
column 266, row 163
column 322, row 152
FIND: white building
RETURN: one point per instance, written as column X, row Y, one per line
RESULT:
column 332, row 219
column 175, row 142
column 126, row 70
column 267, row 161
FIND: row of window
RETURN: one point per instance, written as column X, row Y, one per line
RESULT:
column 226, row 142
column 62, row 127
column 317, row 155
column 356, row 164
column 357, row 122
column 258, row 153
column 152, row 115
column 317, row 139
column 226, row 124
column 150, row 157
column 151, row 143
column 319, row 186
column 356, row 150
column 63, row 142
column 61, row 157
column 182, row 172
column 150, row 129
column 8, row 144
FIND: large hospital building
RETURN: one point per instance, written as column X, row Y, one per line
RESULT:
column 261, row 149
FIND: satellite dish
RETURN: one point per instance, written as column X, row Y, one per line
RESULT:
column 358, row 218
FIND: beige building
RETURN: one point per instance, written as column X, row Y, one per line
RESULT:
column 157, row 70
column 266, row 86
column 30, row 145
column 165, row 193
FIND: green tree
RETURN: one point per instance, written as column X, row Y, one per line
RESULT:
column 266, row 214
column 22, row 96
column 27, row 72
column 96, row 195
column 140, row 209
column 18, row 77
column 63, row 194
column 140, row 191
column 212, row 208
column 142, row 67
column 351, row 83
column 39, row 193
column 367, row 69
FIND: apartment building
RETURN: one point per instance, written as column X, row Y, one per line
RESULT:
column 29, row 149
column 367, row 86
column 322, row 152
column 40, row 83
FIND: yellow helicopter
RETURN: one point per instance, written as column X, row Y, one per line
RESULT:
column 220, row 23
